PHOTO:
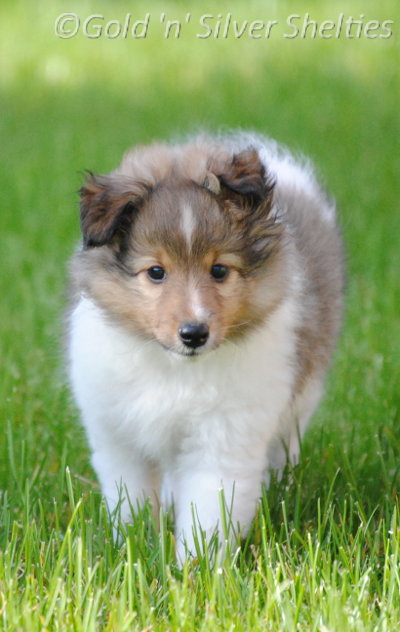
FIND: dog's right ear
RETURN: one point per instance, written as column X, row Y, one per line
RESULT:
column 106, row 203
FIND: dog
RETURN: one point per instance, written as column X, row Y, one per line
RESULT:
column 206, row 300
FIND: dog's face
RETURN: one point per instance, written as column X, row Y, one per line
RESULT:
column 187, row 262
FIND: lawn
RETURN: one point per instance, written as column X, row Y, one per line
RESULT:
column 323, row 553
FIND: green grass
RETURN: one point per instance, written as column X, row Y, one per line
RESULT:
column 323, row 553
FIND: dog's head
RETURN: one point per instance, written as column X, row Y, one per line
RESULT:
column 181, row 245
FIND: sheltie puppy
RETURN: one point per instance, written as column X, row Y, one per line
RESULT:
column 206, row 301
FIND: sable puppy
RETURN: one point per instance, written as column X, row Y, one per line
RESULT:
column 206, row 301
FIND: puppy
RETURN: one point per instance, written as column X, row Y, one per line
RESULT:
column 206, row 300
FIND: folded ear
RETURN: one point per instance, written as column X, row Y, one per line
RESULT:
column 246, row 176
column 106, row 203
column 247, row 189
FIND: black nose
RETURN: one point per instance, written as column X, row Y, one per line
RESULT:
column 194, row 334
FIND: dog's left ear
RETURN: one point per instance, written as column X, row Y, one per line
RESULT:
column 246, row 176
column 107, row 203
column 248, row 190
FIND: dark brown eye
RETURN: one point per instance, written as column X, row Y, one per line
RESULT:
column 156, row 274
column 219, row 272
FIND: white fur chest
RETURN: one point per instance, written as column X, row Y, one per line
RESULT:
column 144, row 397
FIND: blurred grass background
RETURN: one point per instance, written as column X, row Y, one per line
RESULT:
column 73, row 104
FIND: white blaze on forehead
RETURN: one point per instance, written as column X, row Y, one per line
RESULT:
column 188, row 223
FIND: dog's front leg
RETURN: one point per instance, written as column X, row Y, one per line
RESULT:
column 209, row 500
column 127, row 480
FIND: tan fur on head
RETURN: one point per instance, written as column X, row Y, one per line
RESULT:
column 212, row 183
column 184, row 210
